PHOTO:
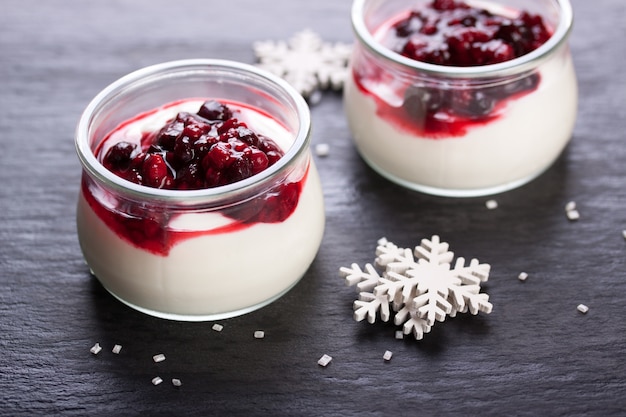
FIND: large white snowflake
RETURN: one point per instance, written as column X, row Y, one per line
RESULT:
column 420, row 286
column 305, row 61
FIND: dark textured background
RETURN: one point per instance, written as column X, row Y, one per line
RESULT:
column 534, row 355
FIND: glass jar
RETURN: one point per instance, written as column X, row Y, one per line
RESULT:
column 202, row 254
column 518, row 119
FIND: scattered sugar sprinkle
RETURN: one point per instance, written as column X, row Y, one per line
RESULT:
column 176, row 382
column 116, row 349
column 570, row 206
column 158, row 358
column 571, row 212
column 95, row 349
column 523, row 276
column 259, row 334
column 573, row 215
column 217, row 327
column 156, row 380
column 582, row 308
column 387, row 356
column 322, row 149
column 324, row 360
column 491, row 204
column 399, row 335
column 315, row 97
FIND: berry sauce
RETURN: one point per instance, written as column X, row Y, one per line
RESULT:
column 192, row 151
column 452, row 33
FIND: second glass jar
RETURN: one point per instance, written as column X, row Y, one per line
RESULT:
column 519, row 119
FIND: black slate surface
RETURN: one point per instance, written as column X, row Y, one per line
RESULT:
column 534, row 355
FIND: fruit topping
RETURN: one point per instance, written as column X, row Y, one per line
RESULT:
column 194, row 151
column 450, row 32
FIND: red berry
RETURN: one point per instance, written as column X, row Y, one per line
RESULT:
column 118, row 157
column 258, row 161
column 221, row 155
column 155, row 171
column 445, row 5
column 168, row 134
column 214, row 110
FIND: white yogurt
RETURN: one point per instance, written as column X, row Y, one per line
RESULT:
column 211, row 275
column 524, row 141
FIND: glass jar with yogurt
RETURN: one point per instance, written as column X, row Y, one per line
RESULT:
column 194, row 253
column 459, row 130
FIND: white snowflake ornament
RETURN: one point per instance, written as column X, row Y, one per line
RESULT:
column 305, row 61
column 422, row 286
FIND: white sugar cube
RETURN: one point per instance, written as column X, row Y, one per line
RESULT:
column 95, row 349
column 324, row 360
column 156, row 380
column 387, row 355
column 259, row 334
column 322, row 149
column 399, row 334
column 570, row 206
column 116, row 349
column 582, row 308
column 176, row 382
column 523, row 276
column 491, row 204
column 217, row 327
column 315, row 97
column 158, row 358
column 573, row 215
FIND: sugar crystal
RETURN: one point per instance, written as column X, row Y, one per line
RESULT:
column 324, row 360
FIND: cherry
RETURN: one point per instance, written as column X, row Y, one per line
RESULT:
column 189, row 177
column 183, row 149
column 464, row 44
column 447, row 5
column 214, row 110
column 274, row 207
column 221, row 156
column 168, row 134
column 155, row 171
column 118, row 157
column 424, row 101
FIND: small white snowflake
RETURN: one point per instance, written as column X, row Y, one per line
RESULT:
column 305, row 61
column 421, row 286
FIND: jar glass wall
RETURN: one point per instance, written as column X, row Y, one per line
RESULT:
column 200, row 254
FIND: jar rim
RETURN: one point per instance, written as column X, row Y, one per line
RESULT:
column 511, row 67
column 90, row 163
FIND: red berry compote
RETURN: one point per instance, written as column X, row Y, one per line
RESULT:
column 461, row 98
column 201, row 208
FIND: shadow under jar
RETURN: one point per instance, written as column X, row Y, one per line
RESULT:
column 200, row 253
column 459, row 130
